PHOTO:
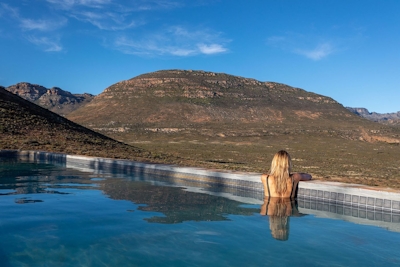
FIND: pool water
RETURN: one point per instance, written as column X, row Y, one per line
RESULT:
column 55, row 216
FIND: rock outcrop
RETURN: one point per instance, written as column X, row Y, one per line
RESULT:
column 54, row 99
column 385, row 118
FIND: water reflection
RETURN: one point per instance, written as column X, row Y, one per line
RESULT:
column 279, row 211
column 19, row 177
column 175, row 203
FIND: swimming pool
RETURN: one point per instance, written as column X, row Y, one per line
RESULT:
column 52, row 215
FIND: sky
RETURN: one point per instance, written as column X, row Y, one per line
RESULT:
column 347, row 50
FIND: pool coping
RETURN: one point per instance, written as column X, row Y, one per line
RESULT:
column 348, row 194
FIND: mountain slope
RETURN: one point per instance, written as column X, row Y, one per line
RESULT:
column 206, row 103
column 54, row 99
column 25, row 126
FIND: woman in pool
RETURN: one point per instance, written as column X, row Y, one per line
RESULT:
column 280, row 182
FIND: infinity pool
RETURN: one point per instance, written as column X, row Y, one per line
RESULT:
column 55, row 216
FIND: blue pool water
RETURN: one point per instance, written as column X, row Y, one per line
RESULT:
column 54, row 216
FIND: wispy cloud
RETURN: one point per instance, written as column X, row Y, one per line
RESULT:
column 67, row 4
column 211, row 49
column 309, row 46
column 42, row 25
column 176, row 41
column 147, row 5
column 48, row 44
column 321, row 51
column 133, row 5
column 37, row 27
column 6, row 9
column 120, row 24
column 151, row 47
column 106, row 20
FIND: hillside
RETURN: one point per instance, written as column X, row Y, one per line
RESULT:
column 224, row 121
column 54, row 99
column 384, row 118
column 26, row 126
column 207, row 103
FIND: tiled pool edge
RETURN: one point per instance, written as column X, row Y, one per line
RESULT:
column 339, row 193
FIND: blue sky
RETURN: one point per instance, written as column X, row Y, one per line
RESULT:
column 347, row 50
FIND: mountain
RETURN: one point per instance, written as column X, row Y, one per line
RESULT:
column 213, row 104
column 27, row 126
column 230, row 122
column 54, row 99
column 385, row 118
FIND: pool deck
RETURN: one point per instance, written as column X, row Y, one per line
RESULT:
column 351, row 202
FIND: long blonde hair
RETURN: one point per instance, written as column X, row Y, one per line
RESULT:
column 281, row 168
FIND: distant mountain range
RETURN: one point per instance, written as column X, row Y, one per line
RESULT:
column 385, row 118
column 63, row 102
column 54, row 99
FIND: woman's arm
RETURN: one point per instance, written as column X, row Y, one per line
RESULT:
column 264, row 181
column 299, row 176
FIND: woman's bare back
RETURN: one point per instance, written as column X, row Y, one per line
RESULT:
column 269, row 186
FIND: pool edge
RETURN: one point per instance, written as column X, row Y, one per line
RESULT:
column 249, row 181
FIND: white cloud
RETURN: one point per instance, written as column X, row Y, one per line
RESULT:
column 180, row 52
column 132, row 5
column 67, row 4
column 175, row 41
column 211, row 49
column 106, row 21
column 119, row 18
column 42, row 25
column 150, row 47
column 319, row 52
column 147, row 5
column 300, row 44
column 48, row 44
column 7, row 10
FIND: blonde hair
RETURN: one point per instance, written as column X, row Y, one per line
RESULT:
column 279, row 226
column 279, row 217
column 281, row 168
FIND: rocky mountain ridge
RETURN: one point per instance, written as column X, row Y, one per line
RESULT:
column 54, row 99
column 180, row 98
column 385, row 118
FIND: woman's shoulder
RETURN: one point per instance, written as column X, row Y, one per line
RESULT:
column 264, row 177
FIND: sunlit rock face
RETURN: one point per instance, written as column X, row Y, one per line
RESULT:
column 385, row 118
column 54, row 99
